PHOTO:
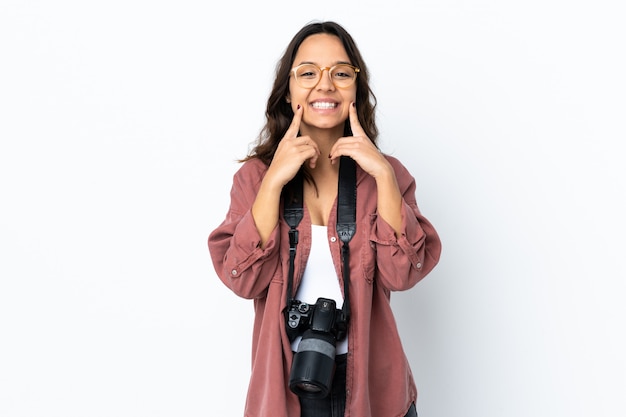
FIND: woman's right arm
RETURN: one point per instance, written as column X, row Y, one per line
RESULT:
column 245, row 247
column 241, row 261
column 265, row 208
column 291, row 152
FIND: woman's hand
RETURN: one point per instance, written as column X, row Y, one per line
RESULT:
column 291, row 153
column 360, row 148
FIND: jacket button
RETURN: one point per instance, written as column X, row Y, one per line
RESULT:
column 233, row 272
column 418, row 265
column 333, row 239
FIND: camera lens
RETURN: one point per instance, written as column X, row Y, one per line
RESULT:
column 313, row 365
column 305, row 386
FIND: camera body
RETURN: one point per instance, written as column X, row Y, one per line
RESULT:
column 323, row 316
column 321, row 325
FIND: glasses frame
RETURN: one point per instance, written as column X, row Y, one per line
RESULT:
column 330, row 70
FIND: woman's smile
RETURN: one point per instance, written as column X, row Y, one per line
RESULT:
column 324, row 105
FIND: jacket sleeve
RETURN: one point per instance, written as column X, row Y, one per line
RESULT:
column 235, row 245
column 402, row 261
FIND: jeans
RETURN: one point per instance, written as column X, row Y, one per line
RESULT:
column 334, row 404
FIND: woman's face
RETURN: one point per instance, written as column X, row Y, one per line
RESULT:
column 325, row 105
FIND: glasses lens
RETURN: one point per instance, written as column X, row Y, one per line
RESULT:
column 308, row 75
column 343, row 75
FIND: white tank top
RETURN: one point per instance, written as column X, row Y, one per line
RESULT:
column 320, row 279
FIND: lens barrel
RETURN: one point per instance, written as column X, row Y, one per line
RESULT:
column 313, row 365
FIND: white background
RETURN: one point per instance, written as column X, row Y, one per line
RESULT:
column 120, row 124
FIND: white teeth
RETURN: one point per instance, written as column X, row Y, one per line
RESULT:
column 324, row 105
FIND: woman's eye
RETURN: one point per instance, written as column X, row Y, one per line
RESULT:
column 343, row 73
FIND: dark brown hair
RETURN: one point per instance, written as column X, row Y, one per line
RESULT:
column 279, row 114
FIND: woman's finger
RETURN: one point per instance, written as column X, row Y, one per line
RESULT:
column 294, row 127
column 357, row 130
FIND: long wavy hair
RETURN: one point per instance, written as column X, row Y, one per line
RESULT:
column 279, row 114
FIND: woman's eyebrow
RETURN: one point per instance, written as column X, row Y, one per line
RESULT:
column 334, row 63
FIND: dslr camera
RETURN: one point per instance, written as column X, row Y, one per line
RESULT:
column 321, row 325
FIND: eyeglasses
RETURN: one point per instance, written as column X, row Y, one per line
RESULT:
column 309, row 75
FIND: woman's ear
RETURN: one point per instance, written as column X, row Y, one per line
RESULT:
column 288, row 99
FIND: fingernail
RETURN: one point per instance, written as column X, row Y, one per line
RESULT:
column 329, row 156
column 353, row 104
column 298, row 107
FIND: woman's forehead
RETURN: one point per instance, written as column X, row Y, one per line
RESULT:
column 321, row 47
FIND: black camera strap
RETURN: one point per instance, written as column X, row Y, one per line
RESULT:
column 293, row 212
column 346, row 222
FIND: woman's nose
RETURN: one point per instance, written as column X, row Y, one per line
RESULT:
column 325, row 82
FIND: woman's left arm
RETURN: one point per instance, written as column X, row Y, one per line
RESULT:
column 407, row 245
column 408, row 250
column 360, row 148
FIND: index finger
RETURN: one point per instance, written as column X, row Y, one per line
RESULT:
column 357, row 130
column 294, row 127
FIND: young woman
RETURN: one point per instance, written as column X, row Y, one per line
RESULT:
column 320, row 115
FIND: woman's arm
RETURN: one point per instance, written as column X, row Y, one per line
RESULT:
column 235, row 246
column 403, row 258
